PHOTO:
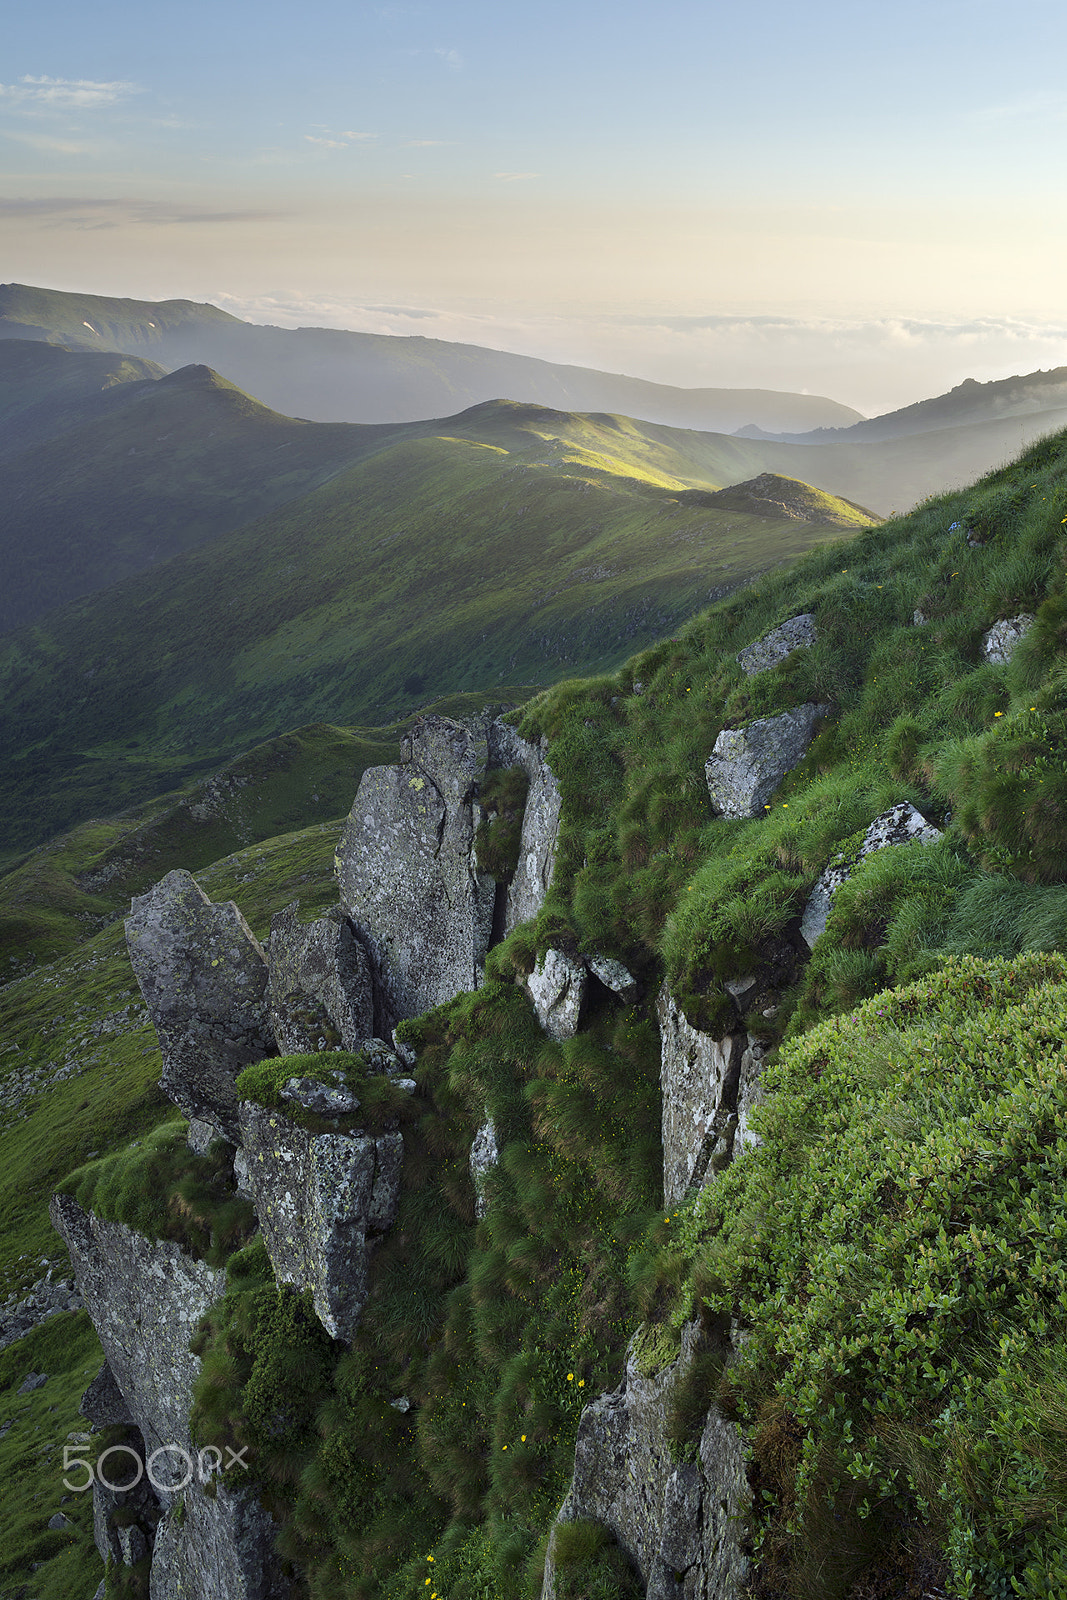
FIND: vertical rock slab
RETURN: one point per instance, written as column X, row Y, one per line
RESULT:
column 540, row 823
column 318, row 966
column 203, row 975
column 408, row 873
column 321, row 1198
column 699, row 1078
column 747, row 764
column 146, row 1297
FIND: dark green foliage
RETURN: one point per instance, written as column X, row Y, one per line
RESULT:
column 590, row 1566
column 502, row 799
column 163, row 1190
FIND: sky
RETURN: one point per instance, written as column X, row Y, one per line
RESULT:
column 851, row 199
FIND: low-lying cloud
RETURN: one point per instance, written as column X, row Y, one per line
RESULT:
column 69, row 212
column 874, row 364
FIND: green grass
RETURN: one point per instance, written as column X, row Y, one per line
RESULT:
column 436, row 566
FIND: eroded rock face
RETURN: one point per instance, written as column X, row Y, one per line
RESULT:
column 146, row 1298
column 798, row 633
column 699, row 1078
column 900, row 825
column 318, row 967
column 203, row 976
column 557, row 986
column 747, row 764
column 613, row 975
column 998, row 645
column 681, row 1524
column 220, row 1549
column 540, row 823
column 321, row 1199
column 408, row 874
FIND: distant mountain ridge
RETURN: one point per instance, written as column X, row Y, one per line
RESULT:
column 969, row 402
column 332, row 375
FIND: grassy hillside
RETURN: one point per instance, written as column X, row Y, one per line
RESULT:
column 45, row 390
column 150, row 468
column 331, row 375
column 512, row 545
column 895, row 1248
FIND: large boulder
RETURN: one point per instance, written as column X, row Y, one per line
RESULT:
column 747, row 764
column 322, row 1200
column 408, row 874
column 699, row 1079
column 321, row 985
column 796, row 634
column 203, row 975
column 540, row 823
column 682, row 1524
column 902, row 824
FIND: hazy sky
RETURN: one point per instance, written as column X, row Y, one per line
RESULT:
column 859, row 199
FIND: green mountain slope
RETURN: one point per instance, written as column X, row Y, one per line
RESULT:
column 893, row 1252
column 150, row 468
column 332, row 375
column 45, row 390
column 436, row 565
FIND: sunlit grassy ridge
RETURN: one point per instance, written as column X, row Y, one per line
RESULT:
column 917, row 1128
column 435, row 565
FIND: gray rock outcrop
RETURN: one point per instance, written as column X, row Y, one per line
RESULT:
column 146, row 1298
column 318, row 967
column 408, row 872
column 321, row 1200
column 747, row 764
column 682, row 1524
column 103, row 1403
column 798, row 633
column 540, row 823
column 902, row 824
column 203, row 976
column 613, row 975
column 557, row 987
column 998, row 645
column 699, row 1079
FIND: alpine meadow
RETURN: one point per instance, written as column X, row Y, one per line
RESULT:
column 533, row 765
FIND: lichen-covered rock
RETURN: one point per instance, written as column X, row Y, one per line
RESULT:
column 557, row 987
column 681, row 1524
column 203, row 976
column 321, row 985
column 747, row 764
column 328, row 1096
column 998, row 645
column 902, row 824
column 798, row 633
column 146, row 1298
column 408, row 872
column 613, row 975
column 321, row 1200
column 220, row 1547
column 484, row 1156
column 699, row 1078
column 540, row 823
